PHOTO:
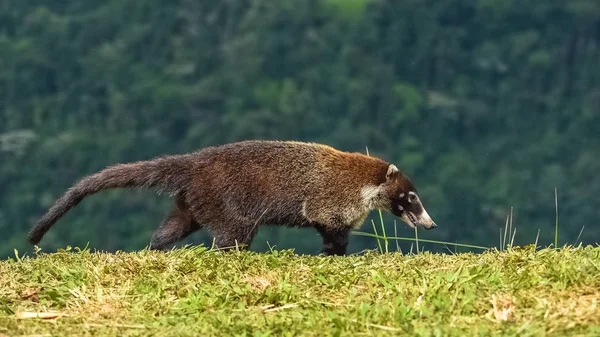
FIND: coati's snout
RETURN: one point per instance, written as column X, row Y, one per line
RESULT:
column 414, row 214
column 405, row 202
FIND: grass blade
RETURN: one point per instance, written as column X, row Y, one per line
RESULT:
column 510, row 227
column 505, row 231
column 424, row 240
column 417, row 239
column 385, row 239
column 556, row 226
column 579, row 236
column 377, row 236
column 512, row 240
column 396, row 234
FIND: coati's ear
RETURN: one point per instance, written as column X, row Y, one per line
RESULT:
column 391, row 172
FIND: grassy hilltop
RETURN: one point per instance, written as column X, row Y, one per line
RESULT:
column 194, row 291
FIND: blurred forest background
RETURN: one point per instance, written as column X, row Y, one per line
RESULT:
column 486, row 105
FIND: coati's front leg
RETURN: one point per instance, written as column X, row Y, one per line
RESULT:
column 178, row 225
column 335, row 240
column 329, row 224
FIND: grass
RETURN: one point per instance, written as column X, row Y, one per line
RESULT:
column 196, row 291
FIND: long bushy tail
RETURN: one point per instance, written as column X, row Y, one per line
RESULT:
column 168, row 174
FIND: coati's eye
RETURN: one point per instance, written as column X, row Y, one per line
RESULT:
column 412, row 196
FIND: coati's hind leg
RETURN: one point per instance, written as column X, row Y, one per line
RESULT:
column 234, row 234
column 335, row 240
column 178, row 225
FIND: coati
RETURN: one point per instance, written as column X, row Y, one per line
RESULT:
column 234, row 188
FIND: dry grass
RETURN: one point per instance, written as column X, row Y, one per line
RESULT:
column 519, row 292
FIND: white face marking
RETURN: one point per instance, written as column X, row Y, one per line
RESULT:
column 425, row 220
column 412, row 194
column 401, row 208
column 424, row 217
column 401, row 195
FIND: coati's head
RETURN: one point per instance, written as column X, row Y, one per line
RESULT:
column 402, row 200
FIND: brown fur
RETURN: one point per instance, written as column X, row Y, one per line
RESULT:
column 234, row 188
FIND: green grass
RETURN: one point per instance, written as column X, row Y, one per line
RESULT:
column 194, row 291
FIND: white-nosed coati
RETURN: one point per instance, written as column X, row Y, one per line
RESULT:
column 234, row 188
